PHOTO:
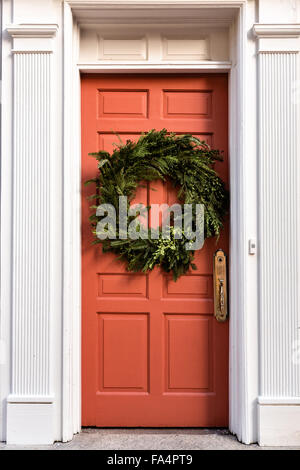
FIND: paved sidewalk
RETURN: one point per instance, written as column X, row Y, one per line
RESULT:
column 149, row 439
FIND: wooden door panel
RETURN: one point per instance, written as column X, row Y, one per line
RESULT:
column 191, row 286
column 122, row 285
column 153, row 353
column 189, row 104
column 188, row 363
column 123, row 352
column 122, row 104
column 108, row 141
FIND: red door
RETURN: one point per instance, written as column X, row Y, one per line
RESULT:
column 153, row 353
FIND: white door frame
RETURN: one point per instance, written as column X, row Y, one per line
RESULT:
column 243, row 268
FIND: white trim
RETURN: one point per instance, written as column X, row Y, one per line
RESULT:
column 31, row 39
column 31, row 51
column 278, row 400
column 30, row 423
column 279, row 48
column 6, row 228
column 243, row 268
column 277, row 37
column 129, row 4
column 95, row 67
column 32, row 30
column 154, row 11
column 71, row 386
column 243, row 334
column 276, row 30
column 279, row 425
column 30, row 399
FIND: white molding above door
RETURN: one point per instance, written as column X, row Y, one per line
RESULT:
column 276, row 30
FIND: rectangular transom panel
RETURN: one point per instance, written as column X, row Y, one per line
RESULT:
column 122, row 48
column 185, row 48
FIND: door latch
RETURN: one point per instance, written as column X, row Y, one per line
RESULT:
column 220, row 286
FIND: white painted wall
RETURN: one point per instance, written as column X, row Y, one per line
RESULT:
column 40, row 273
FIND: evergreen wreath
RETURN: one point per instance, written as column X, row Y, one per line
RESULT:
column 157, row 155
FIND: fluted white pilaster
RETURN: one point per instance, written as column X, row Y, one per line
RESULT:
column 31, row 269
column 31, row 231
column 279, row 233
column 278, row 225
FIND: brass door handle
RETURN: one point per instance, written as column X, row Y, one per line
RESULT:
column 220, row 286
column 221, row 296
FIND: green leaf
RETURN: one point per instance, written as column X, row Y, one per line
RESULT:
column 93, row 180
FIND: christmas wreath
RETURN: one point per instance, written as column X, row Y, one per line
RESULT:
column 157, row 155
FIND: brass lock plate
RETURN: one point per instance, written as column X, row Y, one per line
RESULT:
column 220, row 286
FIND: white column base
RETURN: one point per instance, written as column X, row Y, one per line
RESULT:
column 279, row 425
column 30, row 423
